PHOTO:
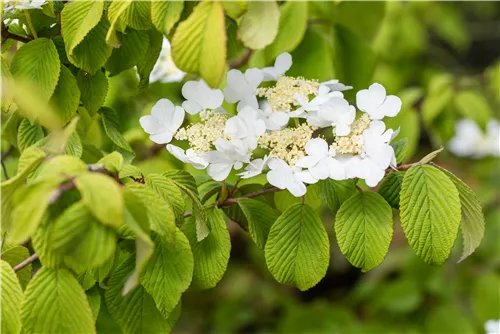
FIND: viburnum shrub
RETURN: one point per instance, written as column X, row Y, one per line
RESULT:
column 100, row 226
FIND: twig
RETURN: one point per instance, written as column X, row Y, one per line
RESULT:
column 6, row 35
column 23, row 264
column 231, row 201
column 241, row 61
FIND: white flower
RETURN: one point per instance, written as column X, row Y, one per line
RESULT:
column 283, row 176
column 23, row 4
column 254, row 168
column 335, row 112
column 246, row 126
column 275, row 120
column 375, row 102
column 470, row 141
column 165, row 70
column 282, row 64
column 164, row 121
column 492, row 327
column 198, row 161
column 199, row 97
column 243, row 87
column 324, row 94
column 320, row 162
column 364, row 168
column 335, row 85
column 228, row 155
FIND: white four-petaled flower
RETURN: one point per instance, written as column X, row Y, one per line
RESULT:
column 199, row 97
column 335, row 112
column 255, row 167
column 242, row 88
column 375, row 102
column 247, row 126
column 275, row 120
column 320, row 162
column 164, row 121
column 198, row 161
column 283, row 176
column 471, row 141
column 282, row 64
column 228, row 155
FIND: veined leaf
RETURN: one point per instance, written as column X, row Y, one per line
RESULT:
column 430, row 212
column 93, row 88
column 16, row 255
column 146, row 64
column 103, row 198
column 66, row 97
column 297, row 249
column 136, row 312
column 12, row 296
column 111, row 126
column 60, row 168
column 199, row 42
column 363, row 226
column 260, row 217
column 183, row 180
column 165, row 14
column 168, row 272
column 334, row 193
column 259, row 25
column 51, row 297
column 94, row 299
column 400, row 150
column 211, row 254
column 132, row 50
column 390, row 188
column 77, row 19
column 170, row 192
column 138, row 15
column 112, row 162
column 472, row 222
column 28, row 134
column 116, row 18
column 37, row 63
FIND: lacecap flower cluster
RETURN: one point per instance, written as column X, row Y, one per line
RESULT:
column 285, row 124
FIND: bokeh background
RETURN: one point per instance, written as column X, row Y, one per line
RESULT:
column 443, row 60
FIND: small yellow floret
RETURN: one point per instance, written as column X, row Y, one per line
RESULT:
column 282, row 96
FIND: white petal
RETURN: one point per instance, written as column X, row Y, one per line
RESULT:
column 279, row 118
column 363, row 100
column 209, row 98
column 278, row 164
column 377, row 94
column 162, row 138
column 177, row 152
column 317, row 147
column 336, row 169
column 162, row 110
column 391, row 106
column 151, row 125
column 190, row 90
column 270, row 74
column 306, row 177
column 374, row 177
column 279, row 178
column 283, row 63
column 307, row 161
column 177, row 119
column 320, row 170
column 192, row 107
column 219, row 171
column 231, row 94
column 254, row 77
column 297, row 188
column 342, row 129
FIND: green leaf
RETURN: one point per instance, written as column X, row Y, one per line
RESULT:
column 439, row 95
column 12, row 296
column 138, row 15
column 168, row 272
column 66, row 97
column 429, row 157
column 165, row 14
column 284, row 199
column 67, row 301
column 363, row 18
column 297, row 249
column 363, row 226
column 146, row 64
column 112, row 162
column 259, row 25
column 77, row 20
column 260, row 217
column 30, row 203
column 6, row 76
column 111, row 125
column 486, row 297
column 116, row 12
column 60, row 168
column 132, row 50
column 211, row 254
column 473, row 104
column 334, row 193
column 430, row 212
column 81, row 239
column 205, row 54
column 37, row 63
column 9, row 128
column 16, row 255
column 390, row 188
column 170, row 192
column 92, row 52
column 400, row 150
column 94, row 298
column 136, row 312
column 28, row 134
column 103, row 198
column 472, row 222
column 292, row 27
column 93, row 88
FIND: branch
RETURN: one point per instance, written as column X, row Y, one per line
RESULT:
column 6, row 35
column 23, row 264
column 242, row 60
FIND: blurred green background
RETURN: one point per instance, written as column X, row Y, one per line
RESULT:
column 443, row 60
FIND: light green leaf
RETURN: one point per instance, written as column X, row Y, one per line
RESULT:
column 363, row 226
column 74, row 145
column 112, row 162
column 60, row 168
column 37, row 63
column 284, row 199
column 28, row 134
column 130, row 170
column 67, row 301
column 103, row 198
column 473, row 104
column 170, row 192
column 82, row 240
column 334, row 193
column 136, row 312
column 400, row 150
column 439, row 95
column 66, row 97
column 132, row 50
column 211, row 254
column 9, row 127
column 16, row 255
column 6, row 76
column 138, row 15
column 93, row 88
column 146, row 64
column 363, row 18
column 12, row 296
column 260, row 217
column 429, row 157
column 94, row 298
column 472, row 222
column 390, row 188
column 116, row 18
column 168, row 272
column 92, row 53
column 430, row 212
column 297, row 249
column 111, row 126
column 205, row 53
column 292, row 27
column 234, row 9
column 259, row 25
column 165, row 14
column 77, row 19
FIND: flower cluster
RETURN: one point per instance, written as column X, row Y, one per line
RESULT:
column 307, row 130
column 471, row 141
